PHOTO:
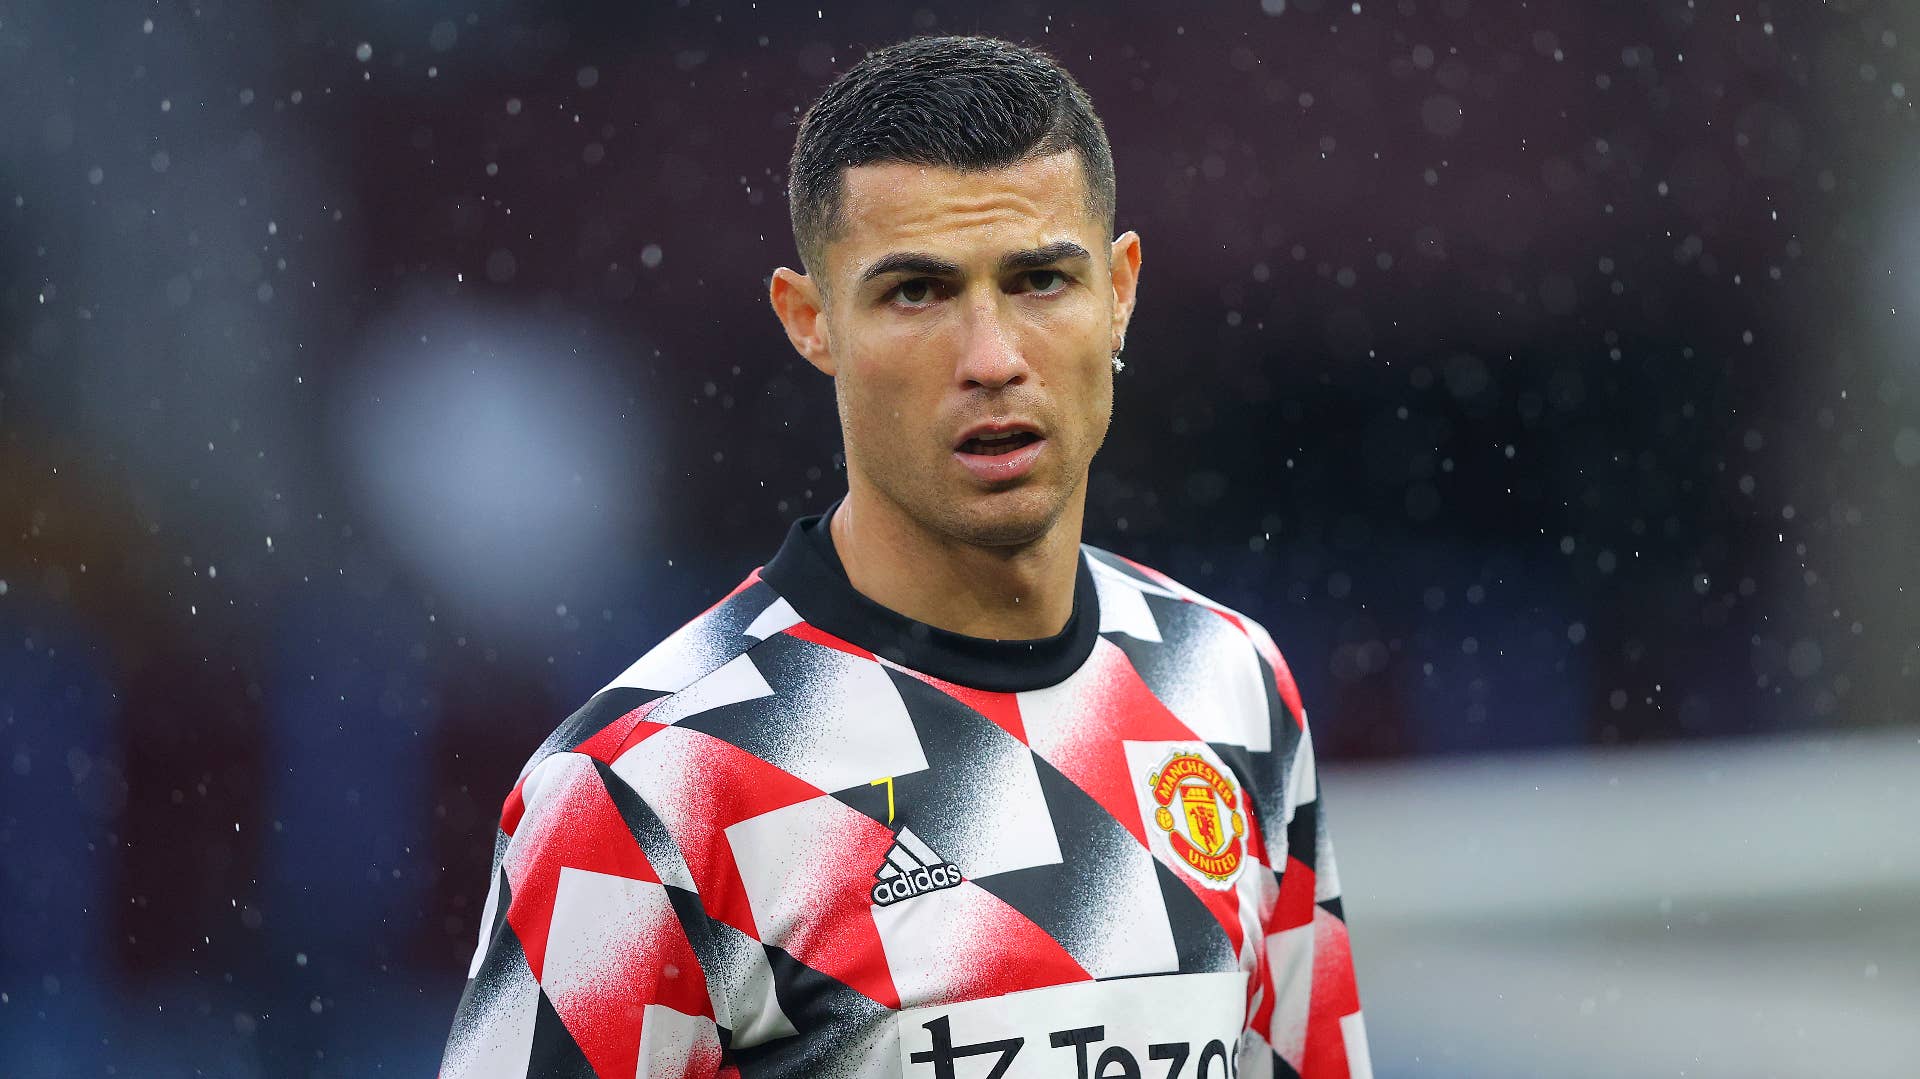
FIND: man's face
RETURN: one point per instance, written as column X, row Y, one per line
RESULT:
column 968, row 304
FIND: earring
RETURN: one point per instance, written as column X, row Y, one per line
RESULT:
column 1119, row 364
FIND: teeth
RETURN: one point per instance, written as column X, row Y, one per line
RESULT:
column 997, row 444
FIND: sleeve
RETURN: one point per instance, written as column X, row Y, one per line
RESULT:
column 1310, row 1017
column 584, row 965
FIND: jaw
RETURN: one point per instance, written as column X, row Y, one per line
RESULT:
column 1016, row 517
column 949, row 503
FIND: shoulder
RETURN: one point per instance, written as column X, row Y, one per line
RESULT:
column 701, row 655
column 1149, row 605
column 1119, row 569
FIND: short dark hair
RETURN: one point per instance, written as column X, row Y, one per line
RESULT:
column 955, row 102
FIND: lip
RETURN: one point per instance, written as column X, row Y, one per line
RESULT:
column 1002, row 467
column 983, row 430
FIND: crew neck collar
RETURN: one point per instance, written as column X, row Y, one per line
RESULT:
column 807, row 571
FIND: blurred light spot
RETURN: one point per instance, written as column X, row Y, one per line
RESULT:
column 1906, row 447
column 1803, row 659
column 495, row 459
column 501, row 266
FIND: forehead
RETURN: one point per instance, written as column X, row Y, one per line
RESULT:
column 895, row 206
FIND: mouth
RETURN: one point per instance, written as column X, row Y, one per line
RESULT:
column 997, row 445
column 1000, row 455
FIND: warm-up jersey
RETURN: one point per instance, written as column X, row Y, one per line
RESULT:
column 805, row 836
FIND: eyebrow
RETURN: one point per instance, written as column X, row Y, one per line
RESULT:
column 915, row 262
column 919, row 262
column 1057, row 251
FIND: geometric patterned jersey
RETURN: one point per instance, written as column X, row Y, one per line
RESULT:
column 806, row 836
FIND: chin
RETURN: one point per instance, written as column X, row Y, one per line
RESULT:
column 1007, row 518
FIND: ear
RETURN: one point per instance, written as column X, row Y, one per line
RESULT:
column 796, row 299
column 1125, row 262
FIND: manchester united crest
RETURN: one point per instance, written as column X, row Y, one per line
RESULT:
column 1197, row 807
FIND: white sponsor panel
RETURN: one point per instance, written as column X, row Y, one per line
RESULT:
column 1176, row 1026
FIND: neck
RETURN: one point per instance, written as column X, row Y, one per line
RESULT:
column 1018, row 592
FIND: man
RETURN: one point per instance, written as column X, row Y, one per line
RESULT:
column 939, row 790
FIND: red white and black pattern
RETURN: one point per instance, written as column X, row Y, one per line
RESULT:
column 685, row 874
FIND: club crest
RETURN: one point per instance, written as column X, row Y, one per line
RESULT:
column 1197, row 807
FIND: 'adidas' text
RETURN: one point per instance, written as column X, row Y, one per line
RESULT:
column 911, row 869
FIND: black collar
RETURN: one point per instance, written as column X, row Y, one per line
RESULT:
column 806, row 570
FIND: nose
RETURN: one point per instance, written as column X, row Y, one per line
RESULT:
column 991, row 356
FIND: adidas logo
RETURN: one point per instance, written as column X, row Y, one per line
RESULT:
column 911, row 869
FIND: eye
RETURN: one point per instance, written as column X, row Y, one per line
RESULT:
column 1046, row 282
column 917, row 292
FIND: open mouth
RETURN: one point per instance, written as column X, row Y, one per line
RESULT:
column 996, row 445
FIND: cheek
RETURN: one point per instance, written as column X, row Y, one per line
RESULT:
column 1074, row 329
column 885, row 399
column 1095, row 389
column 1099, row 410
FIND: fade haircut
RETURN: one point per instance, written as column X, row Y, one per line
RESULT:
column 964, row 103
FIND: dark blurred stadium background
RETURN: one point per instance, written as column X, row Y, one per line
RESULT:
column 378, row 378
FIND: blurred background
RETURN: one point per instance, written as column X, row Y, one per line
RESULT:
column 378, row 378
